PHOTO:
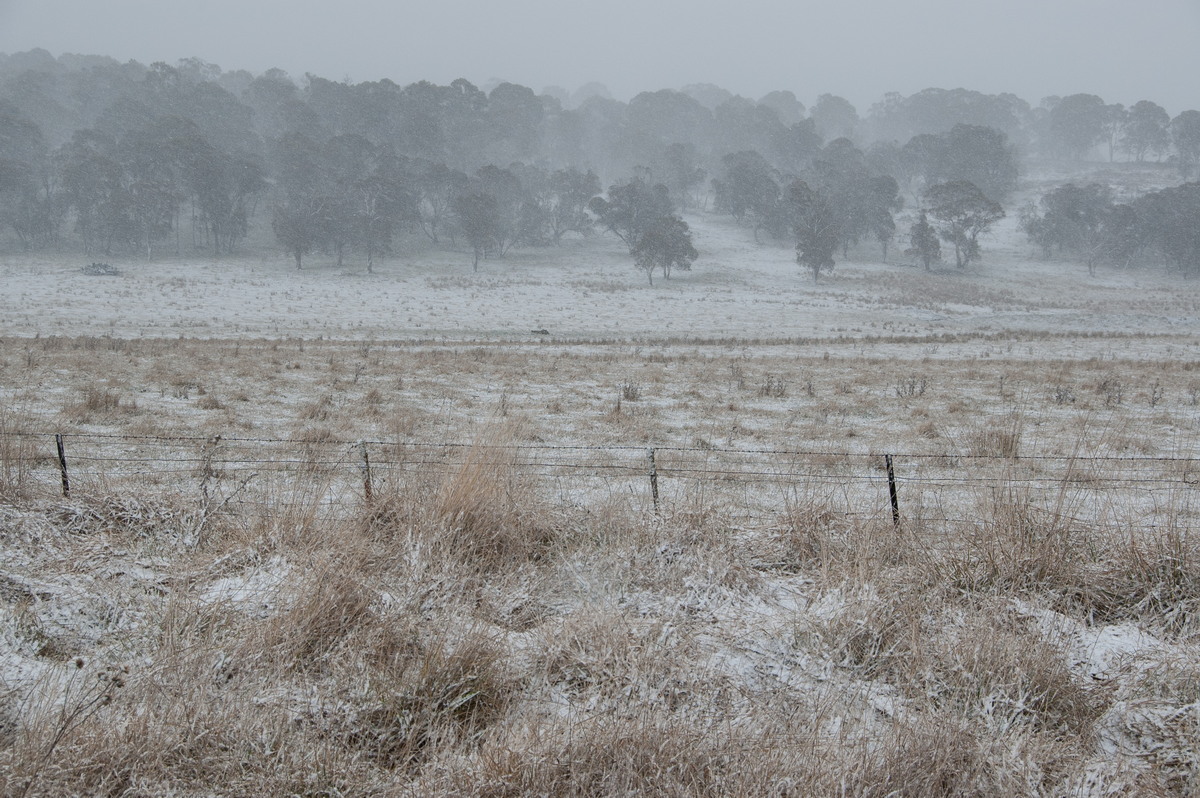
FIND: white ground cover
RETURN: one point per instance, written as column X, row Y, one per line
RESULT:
column 66, row 592
column 589, row 289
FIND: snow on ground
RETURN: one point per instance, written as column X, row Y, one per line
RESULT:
column 1011, row 307
column 589, row 289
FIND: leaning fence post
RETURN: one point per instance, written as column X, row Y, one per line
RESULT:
column 653, row 481
column 62, row 464
column 887, row 458
column 368, row 494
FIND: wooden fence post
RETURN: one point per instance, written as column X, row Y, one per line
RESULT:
column 653, row 481
column 368, row 493
column 887, row 458
column 62, row 464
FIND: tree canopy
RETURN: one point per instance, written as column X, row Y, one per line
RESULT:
column 666, row 245
column 964, row 212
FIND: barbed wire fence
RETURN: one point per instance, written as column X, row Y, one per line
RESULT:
column 752, row 486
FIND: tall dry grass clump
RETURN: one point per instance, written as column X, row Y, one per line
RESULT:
column 327, row 608
column 430, row 696
column 17, row 454
column 1154, row 575
column 99, row 401
column 1018, row 545
column 653, row 751
column 487, row 507
column 997, row 437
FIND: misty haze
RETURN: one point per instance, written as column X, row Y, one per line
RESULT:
column 745, row 402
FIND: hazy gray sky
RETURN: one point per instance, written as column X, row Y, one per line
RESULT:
column 1120, row 49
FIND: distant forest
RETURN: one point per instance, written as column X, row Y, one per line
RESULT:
column 128, row 160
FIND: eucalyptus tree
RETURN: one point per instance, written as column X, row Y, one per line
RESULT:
column 631, row 208
column 665, row 245
column 817, row 228
column 1146, row 130
column 964, row 213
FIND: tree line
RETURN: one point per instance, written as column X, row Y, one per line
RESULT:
column 1085, row 223
column 127, row 158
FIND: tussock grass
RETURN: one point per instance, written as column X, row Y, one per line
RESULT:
column 99, row 401
column 491, row 623
column 17, row 455
column 425, row 699
column 487, row 508
column 657, row 657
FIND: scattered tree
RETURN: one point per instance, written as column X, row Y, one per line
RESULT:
column 1074, row 222
column 1077, row 124
column 29, row 200
column 570, row 191
column 1185, row 134
column 925, row 244
column 1115, row 119
column 834, row 117
column 964, row 212
column 479, row 217
column 680, row 171
column 1168, row 221
column 1146, row 130
column 980, row 155
column 297, row 222
column 515, row 220
column 631, row 209
column 817, row 228
column 882, row 198
column 436, row 186
column 785, row 105
column 747, row 188
column 666, row 244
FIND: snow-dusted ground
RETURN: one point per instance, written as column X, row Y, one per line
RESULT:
column 1012, row 337
column 589, row 289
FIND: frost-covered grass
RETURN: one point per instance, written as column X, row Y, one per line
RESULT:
column 482, row 629
column 468, row 635
column 510, row 619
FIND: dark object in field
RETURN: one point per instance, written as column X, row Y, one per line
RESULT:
column 101, row 270
column 540, row 332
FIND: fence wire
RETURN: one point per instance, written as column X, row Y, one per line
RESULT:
column 250, row 475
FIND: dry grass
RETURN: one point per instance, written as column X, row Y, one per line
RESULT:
column 490, row 515
column 661, row 661
column 17, row 453
column 505, row 620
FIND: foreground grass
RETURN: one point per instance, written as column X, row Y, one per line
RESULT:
column 466, row 636
column 476, row 629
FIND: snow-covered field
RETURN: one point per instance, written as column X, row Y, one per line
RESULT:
column 512, row 619
column 587, row 289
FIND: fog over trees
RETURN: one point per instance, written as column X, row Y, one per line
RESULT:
column 130, row 160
